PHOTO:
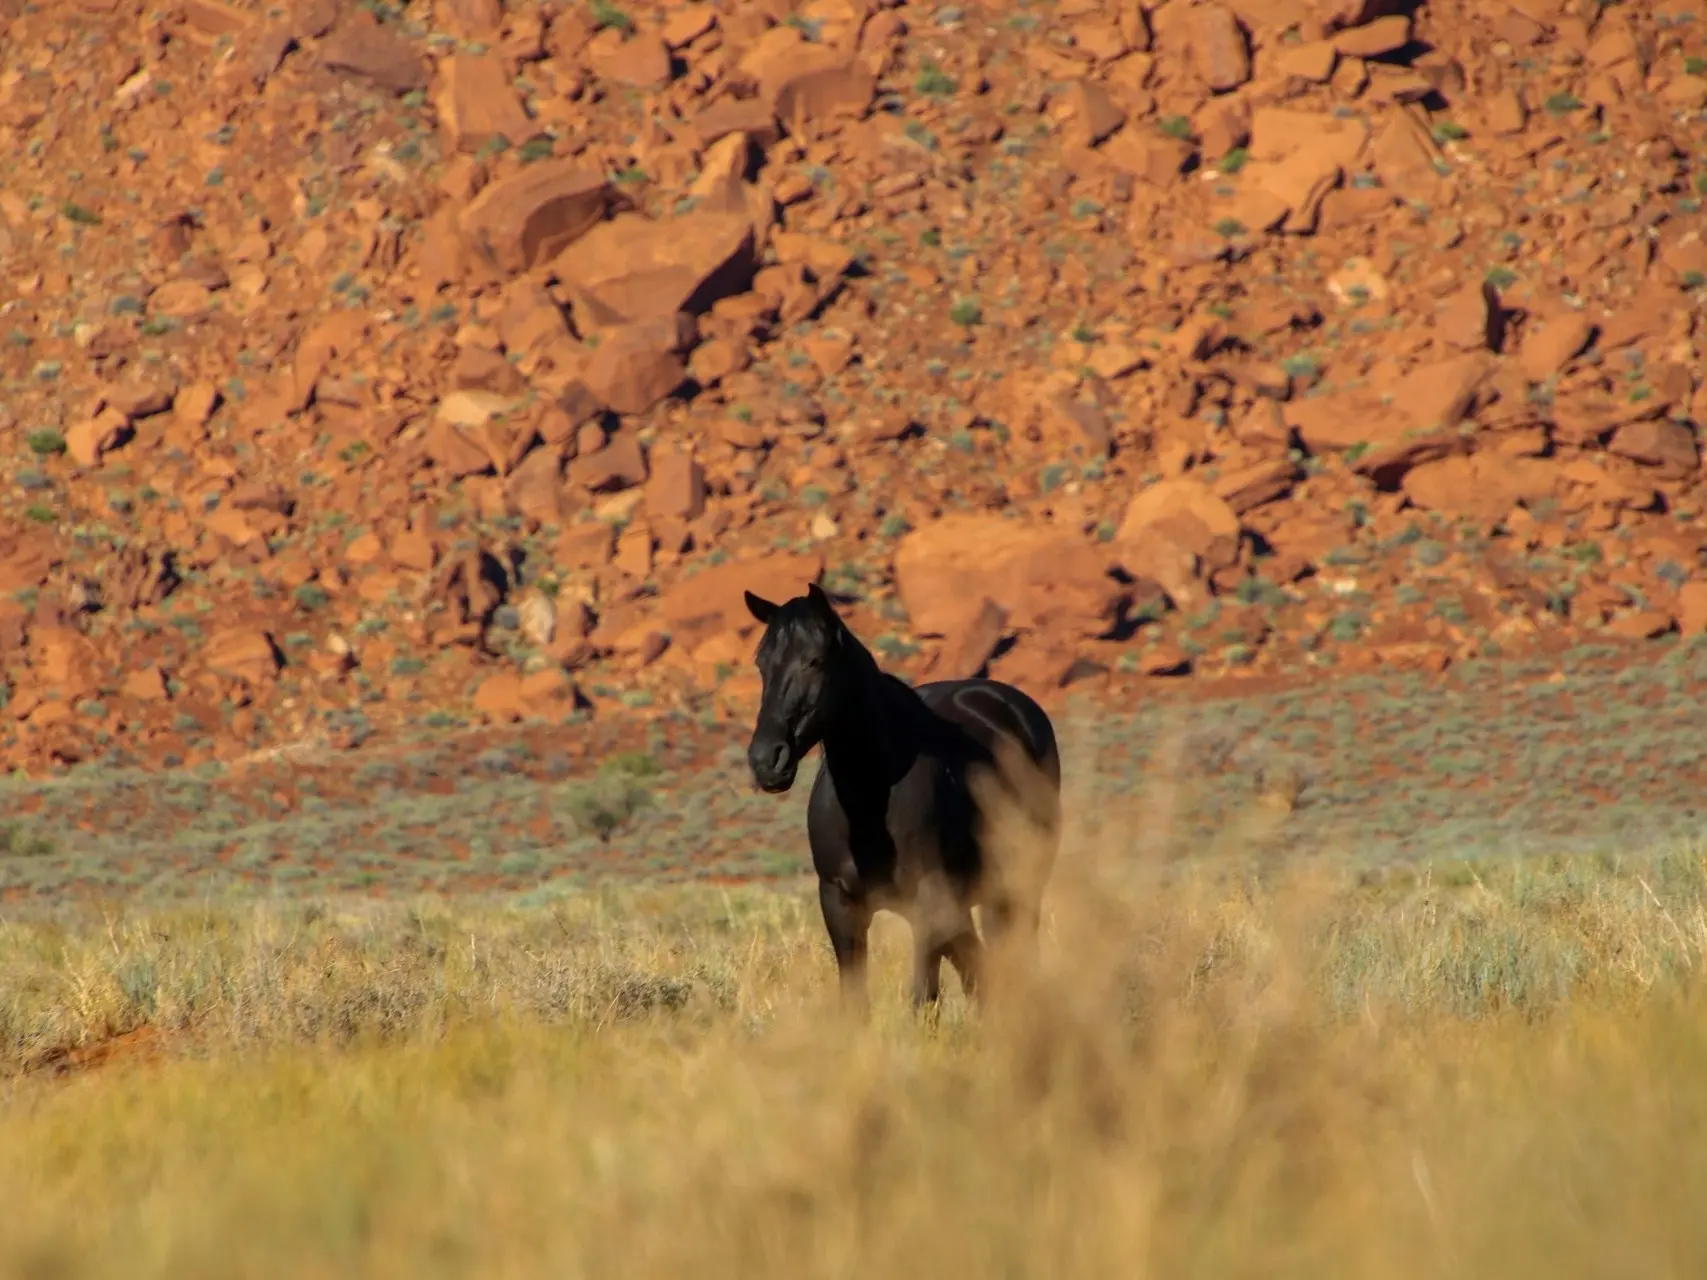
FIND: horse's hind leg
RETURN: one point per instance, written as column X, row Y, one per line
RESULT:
column 1011, row 925
column 927, row 971
column 942, row 924
column 966, row 953
column 958, row 944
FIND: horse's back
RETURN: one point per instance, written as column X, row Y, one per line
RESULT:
column 989, row 708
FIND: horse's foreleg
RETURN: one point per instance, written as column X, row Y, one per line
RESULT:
column 848, row 922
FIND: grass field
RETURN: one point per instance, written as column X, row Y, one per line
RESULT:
column 1579, row 752
column 1222, row 1067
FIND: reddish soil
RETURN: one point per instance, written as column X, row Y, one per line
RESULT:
column 371, row 369
column 140, row 1044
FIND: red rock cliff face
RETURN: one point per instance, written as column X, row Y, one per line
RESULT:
column 356, row 362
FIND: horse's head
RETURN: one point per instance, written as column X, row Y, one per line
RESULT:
column 804, row 674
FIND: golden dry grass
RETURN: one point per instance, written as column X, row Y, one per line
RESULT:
column 1216, row 1071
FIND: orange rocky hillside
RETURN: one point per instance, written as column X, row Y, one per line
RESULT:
column 469, row 357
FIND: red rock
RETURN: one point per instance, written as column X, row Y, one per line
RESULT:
column 1196, row 519
column 1506, row 113
column 750, row 116
column 1387, row 463
column 724, row 168
column 1473, row 319
column 642, row 62
column 232, row 526
column 1438, row 396
column 268, row 52
column 1414, row 655
column 207, row 20
column 827, row 259
column 1223, row 53
column 1647, row 315
column 1148, row 155
column 25, row 563
column 535, row 487
column 1164, row 658
column 530, row 217
column 453, row 452
column 1278, row 133
column 844, row 92
column 500, row 698
column 477, row 103
column 1222, row 125
column 364, row 48
column 195, row 405
column 1639, row 624
column 1371, row 40
column 255, row 496
column 1405, row 156
column 1250, row 487
column 1045, row 664
column 413, row 549
column 1338, row 14
column 1091, row 114
column 636, row 366
column 1035, row 574
column 549, row 691
column 139, row 399
column 145, row 684
column 688, row 24
column 967, row 647
column 1312, row 61
column 531, row 320
column 1657, row 442
column 712, row 600
column 480, row 20
column 1481, row 487
column 1298, row 158
column 621, row 464
column 1690, row 609
column 1519, row 28
column 180, row 300
column 243, row 653
column 481, row 369
column 87, row 441
column 1084, row 428
column 587, row 545
column 676, row 488
column 65, row 659
column 633, row 267
column 1549, row 349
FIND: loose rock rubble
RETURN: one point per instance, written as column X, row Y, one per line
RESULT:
column 468, row 358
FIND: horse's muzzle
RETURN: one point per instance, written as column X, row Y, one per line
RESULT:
column 774, row 765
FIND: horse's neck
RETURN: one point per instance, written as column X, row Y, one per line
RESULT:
column 867, row 743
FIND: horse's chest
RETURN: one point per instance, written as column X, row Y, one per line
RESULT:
column 892, row 841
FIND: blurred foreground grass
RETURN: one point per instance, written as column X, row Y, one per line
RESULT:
column 1217, row 1071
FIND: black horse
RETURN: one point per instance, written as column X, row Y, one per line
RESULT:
column 902, row 815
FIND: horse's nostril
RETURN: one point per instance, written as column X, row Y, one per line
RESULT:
column 772, row 759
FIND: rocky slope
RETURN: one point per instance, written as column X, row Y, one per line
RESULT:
column 369, row 363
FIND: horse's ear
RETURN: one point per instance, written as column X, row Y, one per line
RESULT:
column 820, row 601
column 760, row 608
